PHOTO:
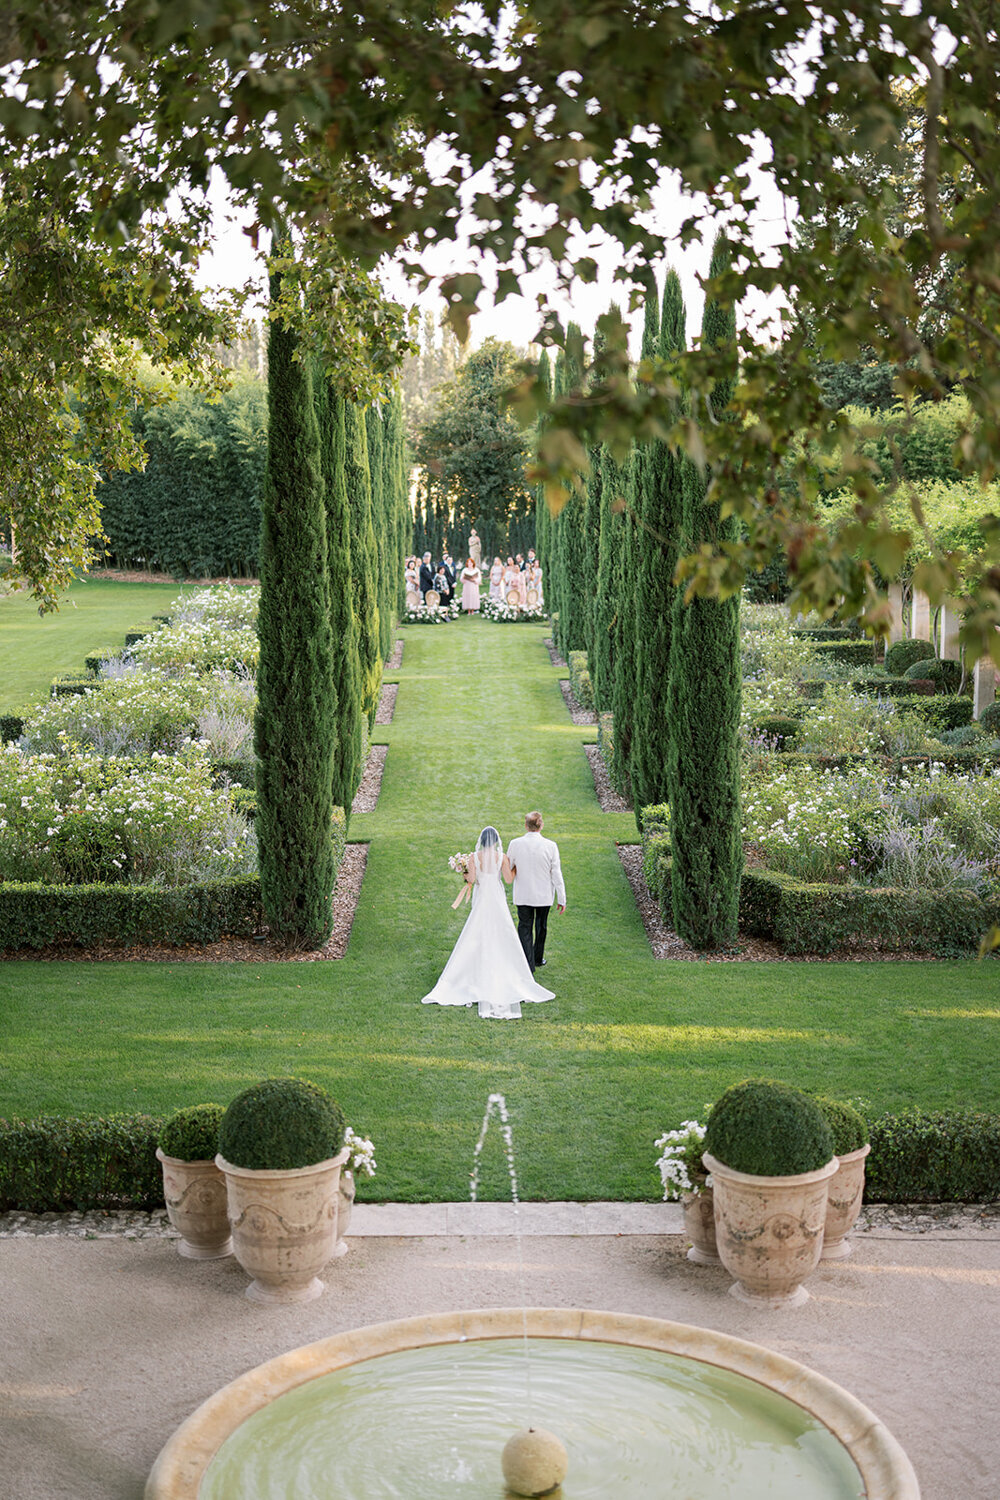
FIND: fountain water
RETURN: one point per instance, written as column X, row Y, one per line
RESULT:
column 659, row 1408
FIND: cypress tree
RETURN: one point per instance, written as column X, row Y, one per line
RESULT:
column 637, row 483
column 592, row 542
column 402, row 519
column 364, row 557
column 608, row 582
column 658, row 552
column 295, row 725
column 704, row 699
column 375, row 433
column 543, row 520
column 574, row 603
column 557, row 530
column 343, row 625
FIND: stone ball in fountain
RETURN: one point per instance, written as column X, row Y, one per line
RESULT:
column 534, row 1462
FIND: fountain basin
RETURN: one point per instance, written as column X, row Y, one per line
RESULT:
column 273, row 1433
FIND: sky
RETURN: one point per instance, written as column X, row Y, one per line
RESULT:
column 233, row 262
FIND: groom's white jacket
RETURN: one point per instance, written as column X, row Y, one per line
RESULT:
column 539, row 876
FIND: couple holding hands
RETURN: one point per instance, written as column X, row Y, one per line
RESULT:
column 492, row 965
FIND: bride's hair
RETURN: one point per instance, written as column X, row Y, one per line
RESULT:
column 489, row 838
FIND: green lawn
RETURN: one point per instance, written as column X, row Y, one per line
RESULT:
column 94, row 613
column 628, row 1048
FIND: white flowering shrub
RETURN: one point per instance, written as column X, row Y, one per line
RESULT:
column 843, row 722
column 439, row 615
column 201, row 645
column 362, row 1158
column 680, row 1164
column 227, row 605
column 501, row 613
column 808, row 822
column 130, row 715
column 225, row 720
column 80, row 818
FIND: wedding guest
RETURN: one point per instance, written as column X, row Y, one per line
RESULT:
column 470, row 586
column 496, row 579
column 426, row 576
column 451, row 573
column 411, row 576
column 521, row 585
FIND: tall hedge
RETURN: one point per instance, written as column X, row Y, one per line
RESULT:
column 194, row 510
column 343, row 626
column 657, row 553
column 704, row 698
column 295, row 725
column 402, row 519
column 364, row 557
column 574, row 602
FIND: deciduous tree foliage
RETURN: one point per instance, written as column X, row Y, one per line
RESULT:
column 323, row 113
column 704, row 703
column 295, row 725
column 475, row 451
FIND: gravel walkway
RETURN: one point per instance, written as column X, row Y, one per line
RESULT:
column 577, row 712
column 366, row 796
column 396, row 659
column 610, row 800
column 386, row 703
column 554, row 657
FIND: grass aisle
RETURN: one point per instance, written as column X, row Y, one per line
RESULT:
column 628, row 1048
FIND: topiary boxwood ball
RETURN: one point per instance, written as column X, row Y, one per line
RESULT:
column 192, row 1134
column 902, row 655
column 281, row 1124
column 847, row 1127
column 945, row 675
column 769, row 1130
column 989, row 719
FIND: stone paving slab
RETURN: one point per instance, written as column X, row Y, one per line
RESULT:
column 106, row 1345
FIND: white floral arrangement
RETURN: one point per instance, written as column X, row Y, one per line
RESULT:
column 501, row 613
column 440, row 614
column 680, row 1163
column 362, row 1158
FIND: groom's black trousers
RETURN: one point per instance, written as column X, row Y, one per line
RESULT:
column 532, row 925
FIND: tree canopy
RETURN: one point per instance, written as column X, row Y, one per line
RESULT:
column 509, row 127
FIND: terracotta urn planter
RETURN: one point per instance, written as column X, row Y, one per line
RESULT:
column 284, row 1226
column 847, row 1187
column 699, row 1226
column 348, row 1188
column 769, row 1230
column 195, row 1195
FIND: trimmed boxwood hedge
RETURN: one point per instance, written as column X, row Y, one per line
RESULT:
column 920, row 1156
column 33, row 915
column 76, row 682
column 942, row 711
column 11, row 728
column 53, row 1164
column 579, row 679
column 989, row 719
column 828, row 633
column 854, row 653
column 817, row 918
column 902, row 654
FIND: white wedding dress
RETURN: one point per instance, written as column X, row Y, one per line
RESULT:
column 487, row 966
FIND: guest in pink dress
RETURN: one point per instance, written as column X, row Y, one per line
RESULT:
column 496, row 579
column 521, row 584
column 470, row 587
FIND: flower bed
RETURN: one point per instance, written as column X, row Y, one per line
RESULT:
column 440, row 614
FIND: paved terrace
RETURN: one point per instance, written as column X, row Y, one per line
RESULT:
column 108, row 1339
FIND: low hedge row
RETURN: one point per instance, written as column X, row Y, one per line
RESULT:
column 828, row 633
column 579, row 679
column 33, row 915
column 11, row 727
column 70, row 683
column 53, row 1164
column 804, row 917
column 854, row 653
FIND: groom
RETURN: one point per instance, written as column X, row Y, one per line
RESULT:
column 537, row 879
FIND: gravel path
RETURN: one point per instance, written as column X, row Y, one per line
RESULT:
column 396, row 659
column 610, row 800
column 386, row 703
column 366, row 796
column 577, row 712
column 554, row 657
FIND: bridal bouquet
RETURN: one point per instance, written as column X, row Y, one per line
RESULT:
column 460, row 864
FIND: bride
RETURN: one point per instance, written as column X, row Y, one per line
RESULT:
column 487, row 964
